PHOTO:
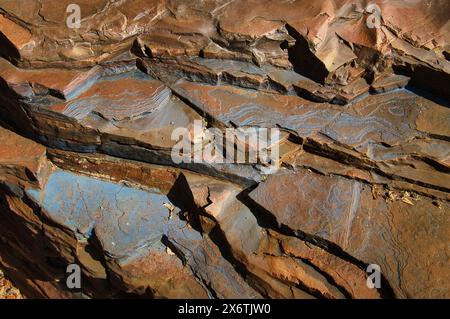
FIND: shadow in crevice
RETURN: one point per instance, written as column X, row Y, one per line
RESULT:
column 428, row 83
column 327, row 276
column 267, row 220
column 181, row 196
column 303, row 59
column 9, row 50
column 414, row 88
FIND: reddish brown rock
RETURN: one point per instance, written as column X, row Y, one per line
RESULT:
column 7, row 290
column 374, row 230
column 337, row 37
column 88, row 115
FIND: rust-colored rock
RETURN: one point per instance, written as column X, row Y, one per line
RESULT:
column 91, row 113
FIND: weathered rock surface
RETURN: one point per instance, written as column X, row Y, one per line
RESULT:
column 7, row 290
column 87, row 176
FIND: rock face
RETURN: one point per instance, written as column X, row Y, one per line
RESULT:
column 7, row 290
column 357, row 90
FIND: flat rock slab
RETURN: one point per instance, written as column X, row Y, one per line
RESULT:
column 123, row 218
column 374, row 230
column 92, row 114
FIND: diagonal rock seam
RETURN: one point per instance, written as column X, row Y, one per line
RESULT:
column 87, row 176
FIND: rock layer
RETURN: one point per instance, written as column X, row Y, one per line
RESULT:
column 87, row 175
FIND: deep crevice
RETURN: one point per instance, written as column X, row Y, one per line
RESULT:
column 267, row 220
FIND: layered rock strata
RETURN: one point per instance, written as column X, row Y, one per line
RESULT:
column 88, row 177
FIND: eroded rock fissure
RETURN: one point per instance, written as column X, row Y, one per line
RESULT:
column 87, row 173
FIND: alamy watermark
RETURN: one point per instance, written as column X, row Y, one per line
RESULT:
column 251, row 145
column 374, row 279
column 73, row 20
column 374, row 18
column 73, row 280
